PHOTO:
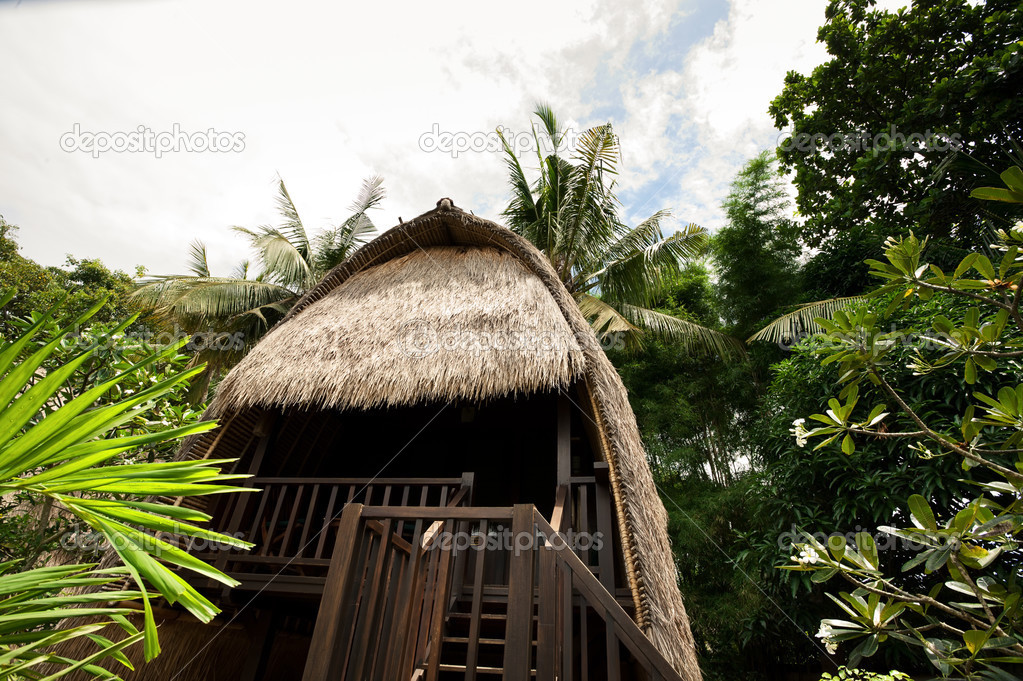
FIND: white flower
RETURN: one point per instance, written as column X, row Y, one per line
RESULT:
column 807, row 556
column 799, row 431
column 824, row 634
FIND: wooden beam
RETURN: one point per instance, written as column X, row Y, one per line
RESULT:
column 519, row 634
column 605, row 527
column 324, row 660
column 564, row 440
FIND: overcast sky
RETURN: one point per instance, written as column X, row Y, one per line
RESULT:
column 324, row 95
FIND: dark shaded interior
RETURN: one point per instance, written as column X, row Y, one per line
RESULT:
column 510, row 444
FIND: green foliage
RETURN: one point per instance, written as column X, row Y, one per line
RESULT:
column 758, row 232
column 228, row 315
column 969, row 621
column 26, row 536
column 948, row 67
column 68, row 451
column 82, row 282
column 614, row 272
column 861, row 675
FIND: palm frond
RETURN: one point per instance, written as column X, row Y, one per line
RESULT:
column 693, row 337
column 551, row 127
column 284, row 261
column 198, row 264
column 241, row 270
column 642, row 261
column 334, row 245
column 197, row 302
column 604, row 318
column 800, row 322
column 292, row 228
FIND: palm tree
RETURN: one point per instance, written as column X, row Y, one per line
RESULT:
column 615, row 273
column 227, row 315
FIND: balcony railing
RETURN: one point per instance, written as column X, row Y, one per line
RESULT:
column 413, row 593
column 294, row 522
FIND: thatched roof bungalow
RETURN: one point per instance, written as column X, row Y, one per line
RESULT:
column 448, row 344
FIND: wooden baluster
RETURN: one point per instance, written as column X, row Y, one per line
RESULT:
column 323, row 663
column 272, row 528
column 567, row 620
column 313, row 498
column 257, row 520
column 519, row 634
column 475, row 612
column 584, row 648
column 328, row 518
column 605, row 529
column 292, row 520
column 440, row 606
column 377, row 568
column 546, row 649
column 614, row 665
column 583, row 521
column 402, row 664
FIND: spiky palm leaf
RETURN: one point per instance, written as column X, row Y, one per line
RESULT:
column 239, row 310
column 334, row 245
column 68, row 456
column 800, row 323
column 570, row 212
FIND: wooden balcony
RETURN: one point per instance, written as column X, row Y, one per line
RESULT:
column 411, row 595
column 414, row 584
column 293, row 523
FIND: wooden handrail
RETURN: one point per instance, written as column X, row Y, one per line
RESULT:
column 390, row 596
column 605, row 604
column 379, row 482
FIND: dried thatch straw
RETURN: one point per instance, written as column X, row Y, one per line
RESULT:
column 349, row 343
column 437, row 324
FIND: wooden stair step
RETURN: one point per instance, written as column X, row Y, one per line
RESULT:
column 479, row 670
column 483, row 641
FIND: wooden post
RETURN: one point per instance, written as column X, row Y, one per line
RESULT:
column 519, row 634
column 605, row 528
column 324, row 661
column 546, row 628
column 564, row 440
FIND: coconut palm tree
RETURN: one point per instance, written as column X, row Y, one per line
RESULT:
column 615, row 273
column 226, row 316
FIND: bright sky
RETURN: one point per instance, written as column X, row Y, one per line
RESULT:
column 326, row 94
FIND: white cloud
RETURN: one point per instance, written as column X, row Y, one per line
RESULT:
column 326, row 95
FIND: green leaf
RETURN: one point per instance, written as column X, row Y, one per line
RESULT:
column 970, row 371
column 921, row 513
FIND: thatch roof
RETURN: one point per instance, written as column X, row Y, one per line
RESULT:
column 445, row 323
column 375, row 331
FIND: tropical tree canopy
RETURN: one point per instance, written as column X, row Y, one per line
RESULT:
column 230, row 314
column 615, row 273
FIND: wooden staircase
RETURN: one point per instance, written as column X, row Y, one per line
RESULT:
column 402, row 601
column 471, row 649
